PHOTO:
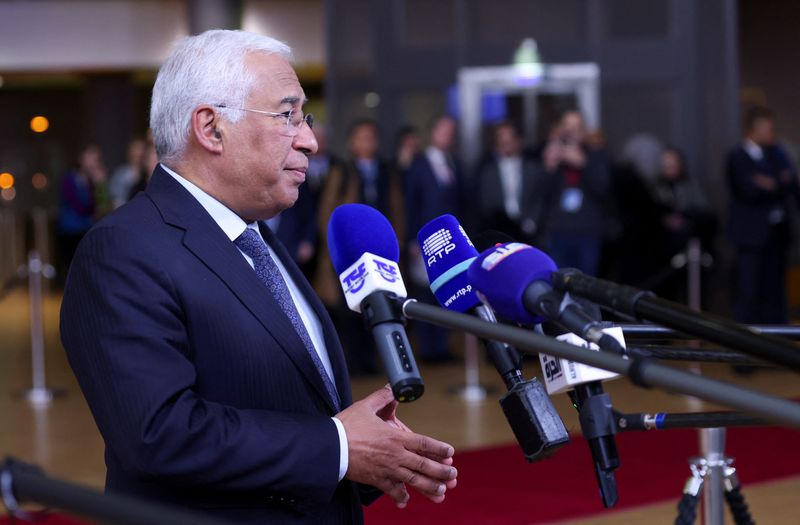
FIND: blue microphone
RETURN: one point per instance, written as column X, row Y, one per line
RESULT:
column 514, row 279
column 448, row 251
column 364, row 252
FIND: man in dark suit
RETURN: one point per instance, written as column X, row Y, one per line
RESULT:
column 509, row 187
column 433, row 187
column 212, row 370
column 761, row 180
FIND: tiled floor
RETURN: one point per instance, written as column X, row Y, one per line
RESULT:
column 63, row 439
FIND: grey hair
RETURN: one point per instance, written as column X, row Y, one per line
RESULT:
column 205, row 69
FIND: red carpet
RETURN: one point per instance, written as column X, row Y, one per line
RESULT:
column 497, row 486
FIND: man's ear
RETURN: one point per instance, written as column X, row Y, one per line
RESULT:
column 207, row 129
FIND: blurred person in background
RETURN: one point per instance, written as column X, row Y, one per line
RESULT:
column 633, row 176
column 762, row 180
column 407, row 145
column 683, row 214
column 146, row 168
column 320, row 164
column 434, row 186
column 509, row 187
column 211, row 368
column 363, row 178
column 127, row 175
column 296, row 228
column 78, row 206
column 577, row 193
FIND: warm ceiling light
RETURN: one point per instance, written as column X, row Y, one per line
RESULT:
column 39, row 180
column 39, row 124
column 6, row 181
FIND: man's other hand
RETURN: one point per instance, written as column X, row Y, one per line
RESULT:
column 386, row 454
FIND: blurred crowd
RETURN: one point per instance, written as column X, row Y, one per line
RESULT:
column 625, row 219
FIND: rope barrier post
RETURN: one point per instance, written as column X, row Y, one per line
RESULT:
column 472, row 391
column 38, row 395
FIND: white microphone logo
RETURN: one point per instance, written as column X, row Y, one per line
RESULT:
column 437, row 245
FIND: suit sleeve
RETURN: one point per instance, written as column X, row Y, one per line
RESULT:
column 741, row 176
column 123, row 327
column 413, row 198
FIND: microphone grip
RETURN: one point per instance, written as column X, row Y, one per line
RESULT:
column 506, row 358
column 619, row 297
column 599, row 426
column 383, row 317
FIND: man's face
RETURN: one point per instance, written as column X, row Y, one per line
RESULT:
column 364, row 142
column 572, row 127
column 763, row 132
column 507, row 142
column 443, row 134
column 264, row 165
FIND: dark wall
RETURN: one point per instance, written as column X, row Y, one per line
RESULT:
column 668, row 67
column 107, row 109
column 770, row 58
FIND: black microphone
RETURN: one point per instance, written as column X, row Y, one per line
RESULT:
column 645, row 305
column 512, row 279
column 447, row 252
column 364, row 251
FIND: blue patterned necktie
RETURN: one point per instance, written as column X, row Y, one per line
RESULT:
column 250, row 243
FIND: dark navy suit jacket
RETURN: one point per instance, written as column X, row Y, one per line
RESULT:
column 750, row 207
column 427, row 198
column 299, row 223
column 203, row 391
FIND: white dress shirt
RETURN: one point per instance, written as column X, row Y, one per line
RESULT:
column 511, row 181
column 234, row 226
column 440, row 165
column 755, row 151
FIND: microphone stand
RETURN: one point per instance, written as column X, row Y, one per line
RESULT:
column 643, row 372
column 21, row 482
column 645, row 305
column 665, row 420
column 654, row 331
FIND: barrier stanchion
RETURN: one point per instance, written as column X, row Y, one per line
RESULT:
column 471, row 391
column 38, row 394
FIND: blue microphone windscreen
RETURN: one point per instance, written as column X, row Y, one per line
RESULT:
column 355, row 229
column 503, row 273
column 447, row 253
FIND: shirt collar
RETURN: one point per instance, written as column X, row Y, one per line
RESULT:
column 231, row 224
column 755, row 151
column 436, row 155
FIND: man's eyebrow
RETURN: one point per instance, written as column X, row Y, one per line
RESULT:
column 293, row 100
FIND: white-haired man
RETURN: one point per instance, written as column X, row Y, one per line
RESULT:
column 211, row 368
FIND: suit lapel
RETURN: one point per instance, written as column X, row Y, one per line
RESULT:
column 206, row 240
column 332, row 344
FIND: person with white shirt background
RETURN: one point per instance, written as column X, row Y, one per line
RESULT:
column 510, row 183
column 762, row 181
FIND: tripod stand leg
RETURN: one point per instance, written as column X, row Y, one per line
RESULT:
column 687, row 506
column 735, row 499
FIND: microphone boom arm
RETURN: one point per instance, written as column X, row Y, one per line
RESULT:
column 642, row 371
